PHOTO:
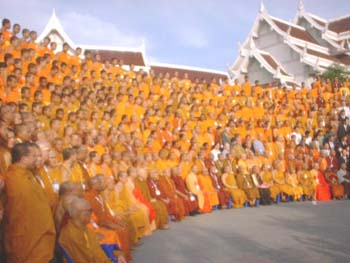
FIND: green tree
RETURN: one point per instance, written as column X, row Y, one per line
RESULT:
column 336, row 71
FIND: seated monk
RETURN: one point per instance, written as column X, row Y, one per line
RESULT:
column 343, row 178
column 67, row 192
column 134, row 216
column 267, row 179
column 125, row 190
column 337, row 189
column 322, row 192
column 132, row 196
column 79, row 241
column 292, row 180
column 117, row 209
column 306, row 182
column 223, row 194
column 153, row 186
column 264, row 189
column 104, row 217
column 162, row 215
column 167, row 188
column 230, row 184
column 280, row 180
column 207, row 187
column 245, row 182
column 193, row 186
column 189, row 200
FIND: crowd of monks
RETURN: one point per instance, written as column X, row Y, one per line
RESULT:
column 94, row 157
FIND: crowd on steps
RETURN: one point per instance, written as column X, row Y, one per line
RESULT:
column 94, row 156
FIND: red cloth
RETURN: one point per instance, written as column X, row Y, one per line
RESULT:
column 175, row 206
column 223, row 195
column 139, row 196
column 322, row 188
column 190, row 206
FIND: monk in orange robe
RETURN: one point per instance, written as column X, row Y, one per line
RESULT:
column 79, row 241
column 207, row 187
column 223, row 194
column 337, row 189
column 189, row 200
column 143, row 194
column 193, row 185
column 168, row 189
column 104, row 218
column 29, row 228
column 245, row 182
column 230, row 183
column 69, row 191
column 44, row 179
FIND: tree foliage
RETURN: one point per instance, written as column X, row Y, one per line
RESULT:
column 336, row 71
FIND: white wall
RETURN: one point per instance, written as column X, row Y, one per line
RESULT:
column 317, row 34
column 268, row 40
column 256, row 72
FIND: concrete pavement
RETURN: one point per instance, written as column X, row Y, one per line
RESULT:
column 289, row 232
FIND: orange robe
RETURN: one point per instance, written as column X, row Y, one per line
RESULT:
column 307, row 183
column 238, row 195
column 275, row 189
column 190, row 203
column 245, row 182
column 337, row 189
column 292, row 180
column 279, row 179
column 168, row 189
column 47, row 184
column 203, row 198
column 81, row 244
column 142, row 191
column 29, row 227
column 103, row 216
column 207, row 186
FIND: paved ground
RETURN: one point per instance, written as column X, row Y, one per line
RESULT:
column 292, row 232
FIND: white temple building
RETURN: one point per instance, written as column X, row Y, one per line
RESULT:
column 277, row 51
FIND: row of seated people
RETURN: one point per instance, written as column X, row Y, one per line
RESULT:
column 103, row 222
column 228, row 145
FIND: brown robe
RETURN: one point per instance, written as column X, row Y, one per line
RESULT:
column 246, row 183
column 29, row 228
column 190, row 204
column 103, row 215
column 168, row 190
column 162, row 215
column 223, row 195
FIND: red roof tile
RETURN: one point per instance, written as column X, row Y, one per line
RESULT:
column 321, row 23
column 128, row 57
column 272, row 62
column 192, row 74
column 341, row 25
column 295, row 32
column 321, row 55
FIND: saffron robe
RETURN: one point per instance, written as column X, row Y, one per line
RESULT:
column 29, row 227
column 81, row 244
column 162, row 215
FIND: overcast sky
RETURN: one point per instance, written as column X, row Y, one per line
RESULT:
column 202, row 33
